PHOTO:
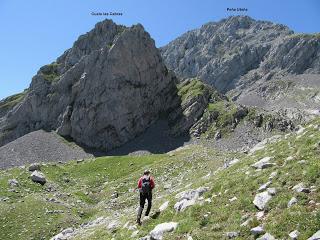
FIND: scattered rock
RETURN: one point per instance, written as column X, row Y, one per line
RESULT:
column 294, row 234
column 164, row 206
column 272, row 191
column 301, row 188
column 247, row 222
column 261, row 199
column 115, row 195
column 113, row 226
column 264, row 186
column 217, row 135
column 183, row 204
column 134, row 234
column 80, row 160
column 159, row 230
column 266, row 236
column 272, row 175
column 65, row 234
column 257, row 230
column 38, row 177
column 188, row 198
column 263, row 163
column 232, row 234
column 233, row 199
column 302, row 162
column 13, row 182
column 292, row 201
column 34, row 167
column 315, row 236
column 260, row 215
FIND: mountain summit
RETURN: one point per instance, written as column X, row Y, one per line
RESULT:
column 109, row 87
column 257, row 63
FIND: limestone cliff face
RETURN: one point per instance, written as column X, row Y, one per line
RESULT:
column 256, row 63
column 105, row 90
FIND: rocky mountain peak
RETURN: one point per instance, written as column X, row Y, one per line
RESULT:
column 105, row 90
column 246, row 58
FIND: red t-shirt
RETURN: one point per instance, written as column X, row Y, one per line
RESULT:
column 151, row 182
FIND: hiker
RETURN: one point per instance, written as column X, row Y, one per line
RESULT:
column 145, row 186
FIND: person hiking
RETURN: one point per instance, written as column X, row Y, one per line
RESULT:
column 145, row 186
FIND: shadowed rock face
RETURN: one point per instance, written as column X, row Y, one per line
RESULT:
column 105, row 90
column 257, row 63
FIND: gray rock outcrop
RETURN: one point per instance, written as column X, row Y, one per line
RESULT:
column 105, row 90
column 257, row 63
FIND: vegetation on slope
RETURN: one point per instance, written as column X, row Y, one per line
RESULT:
column 83, row 191
column 11, row 101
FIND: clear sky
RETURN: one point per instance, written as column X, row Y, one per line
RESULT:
column 35, row 32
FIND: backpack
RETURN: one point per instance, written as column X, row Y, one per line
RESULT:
column 146, row 185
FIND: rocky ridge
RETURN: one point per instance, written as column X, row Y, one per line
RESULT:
column 105, row 90
column 257, row 63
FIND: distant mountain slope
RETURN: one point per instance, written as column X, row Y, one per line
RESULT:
column 247, row 58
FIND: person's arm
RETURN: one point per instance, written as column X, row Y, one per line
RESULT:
column 139, row 183
column 152, row 183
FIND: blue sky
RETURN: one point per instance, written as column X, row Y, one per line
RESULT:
column 35, row 32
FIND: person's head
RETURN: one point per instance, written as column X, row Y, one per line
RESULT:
column 146, row 172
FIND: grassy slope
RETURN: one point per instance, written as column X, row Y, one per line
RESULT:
column 85, row 193
column 11, row 101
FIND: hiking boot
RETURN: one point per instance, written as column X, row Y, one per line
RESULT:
column 139, row 222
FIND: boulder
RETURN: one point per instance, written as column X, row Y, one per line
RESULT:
column 315, row 236
column 294, row 234
column 160, row 229
column 264, row 186
column 188, row 198
column 272, row 191
column 232, row 234
column 261, row 199
column 113, row 225
column 292, row 201
column 13, row 182
column 65, row 234
column 257, row 230
column 266, row 236
column 301, row 188
column 183, row 204
column 263, row 163
column 34, row 167
column 164, row 206
column 38, row 177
